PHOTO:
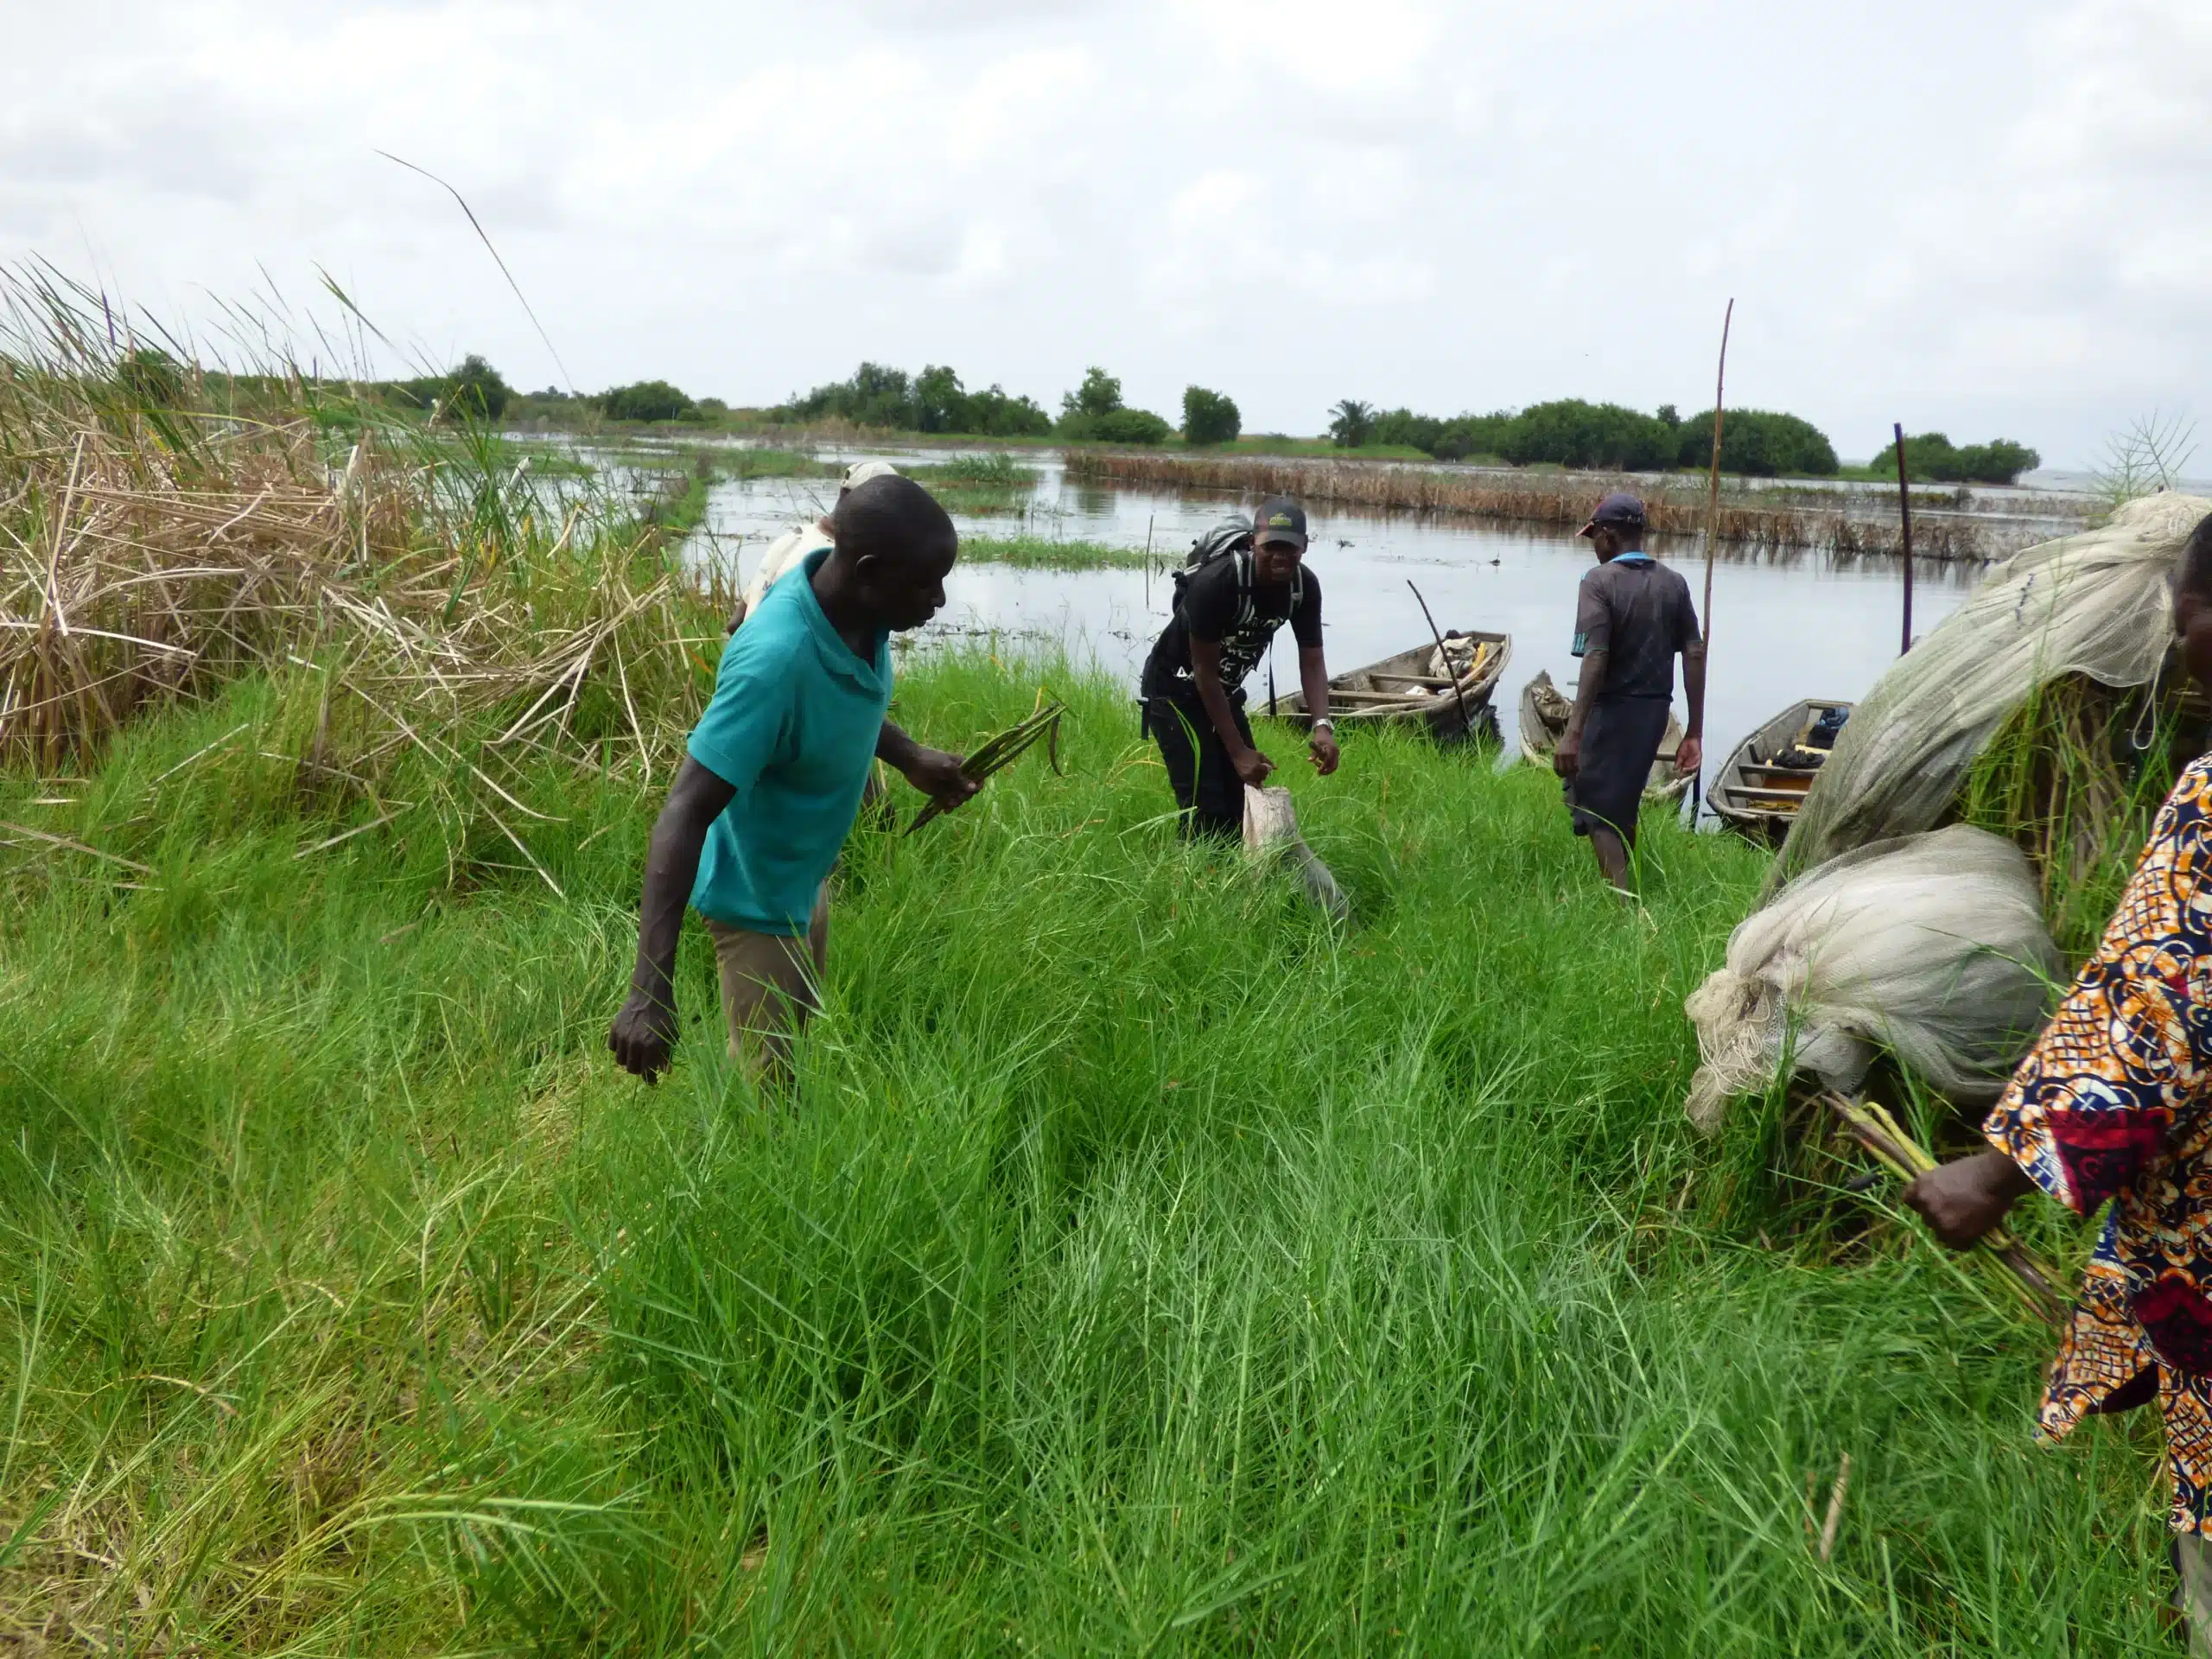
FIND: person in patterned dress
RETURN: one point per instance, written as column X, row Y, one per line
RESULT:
column 2114, row 1104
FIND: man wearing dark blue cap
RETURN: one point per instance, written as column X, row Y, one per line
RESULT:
column 1631, row 618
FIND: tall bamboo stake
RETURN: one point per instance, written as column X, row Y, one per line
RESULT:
column 1904, row 508
column 1712, row 529
column 1712, row 496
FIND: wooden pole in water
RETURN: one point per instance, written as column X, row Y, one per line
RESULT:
column 1713, row 492
column 1466, row 728
column 1904, row 508
column 1712, row 529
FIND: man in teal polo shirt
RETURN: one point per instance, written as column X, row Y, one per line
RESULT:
column 774, row 774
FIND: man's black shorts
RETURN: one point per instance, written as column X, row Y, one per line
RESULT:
column 1619, row 742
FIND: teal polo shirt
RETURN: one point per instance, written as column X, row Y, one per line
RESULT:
column 792, row 727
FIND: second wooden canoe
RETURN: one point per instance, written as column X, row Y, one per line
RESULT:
column 1766, row 778
column 1544, row 712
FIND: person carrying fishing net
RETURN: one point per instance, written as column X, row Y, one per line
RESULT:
column 1240, row 585
column 774, row 774
column 1632, row 617
column 2115, row 1103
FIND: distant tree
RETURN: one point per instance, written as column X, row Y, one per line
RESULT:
column 476, row 389
column 993, row 414
column 645, row 400
column 1099, row 394
column 1402, row 427
column 940, row 404
column 1126, row 425
column 1351, row 424
column 1758, row 443
column 1210, row 417
column 1667, row 415
column 1570, row 432
column 1930, row 457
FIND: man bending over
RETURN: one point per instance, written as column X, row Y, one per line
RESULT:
column 774, row 774
column 1226, row 615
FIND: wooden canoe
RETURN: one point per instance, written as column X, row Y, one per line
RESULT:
column 1544, row 714
column 1765, row 777
column 1409, row 687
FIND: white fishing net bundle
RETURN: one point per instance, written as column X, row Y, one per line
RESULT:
column 1931, row 945
column 2094, row 604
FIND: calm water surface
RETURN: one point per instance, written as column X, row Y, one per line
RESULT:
column 1784, row 627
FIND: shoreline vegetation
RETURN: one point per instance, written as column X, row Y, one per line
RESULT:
column 1560, row 500
column 1142, row 1262
column 889, row 404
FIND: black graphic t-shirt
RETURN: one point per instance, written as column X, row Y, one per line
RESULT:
column 1207, row 610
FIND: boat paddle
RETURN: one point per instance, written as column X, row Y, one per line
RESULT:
column 1466, row 728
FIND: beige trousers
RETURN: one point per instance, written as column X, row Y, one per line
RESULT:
column 771, row 986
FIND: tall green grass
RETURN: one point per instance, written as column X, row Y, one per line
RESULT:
column 1142, row 1264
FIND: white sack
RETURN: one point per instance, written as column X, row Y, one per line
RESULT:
column 1271, row 831
column 2095, row 604
column 1930, row 945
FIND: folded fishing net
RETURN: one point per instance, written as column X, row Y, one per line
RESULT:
column 1931, row 946
column 2095, row 605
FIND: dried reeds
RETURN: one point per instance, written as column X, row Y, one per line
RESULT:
column 437, row 601
column 1556, row 499
column 1874, row 1128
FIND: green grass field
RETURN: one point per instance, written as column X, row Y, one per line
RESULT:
column 1141, row 1266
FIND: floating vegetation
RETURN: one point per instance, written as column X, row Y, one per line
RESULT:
column 1045, row 553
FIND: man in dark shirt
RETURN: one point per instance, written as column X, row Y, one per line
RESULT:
column 1632, row 616
column 1226, row 614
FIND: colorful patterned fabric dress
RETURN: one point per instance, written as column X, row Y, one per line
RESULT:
column 2115, row 1102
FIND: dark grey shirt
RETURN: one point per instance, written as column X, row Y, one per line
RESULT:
column 1638, row 613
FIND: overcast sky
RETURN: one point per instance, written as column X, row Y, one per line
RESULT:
column 1992, row 218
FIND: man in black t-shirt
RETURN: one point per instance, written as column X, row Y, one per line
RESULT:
column 1226, row 614
column 1632, row 617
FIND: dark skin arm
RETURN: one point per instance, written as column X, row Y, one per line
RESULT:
column 1206, row 670
column 644, row 1031
column 1690, row 755
column 1567, row 759
column 933, row 771
column 1963, row 1199
column 1313, row 680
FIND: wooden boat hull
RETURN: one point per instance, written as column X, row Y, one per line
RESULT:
column 1401, row 690
column 1758, row 791
column 1544, row 711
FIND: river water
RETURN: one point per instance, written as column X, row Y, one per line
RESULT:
column 1784, row 627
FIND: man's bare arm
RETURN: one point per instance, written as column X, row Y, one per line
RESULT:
column 1566, row 761
column 1213, row 697
column 1690, row 755
column 1313, row 680
column 645, row 1032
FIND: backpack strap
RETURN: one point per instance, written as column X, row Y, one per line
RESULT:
column 1244, row 585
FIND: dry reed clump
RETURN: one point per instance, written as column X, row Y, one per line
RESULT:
column 1546, row 498
column 446, row 607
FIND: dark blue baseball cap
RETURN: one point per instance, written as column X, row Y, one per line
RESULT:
column 1280, row 519
column 1619, row 511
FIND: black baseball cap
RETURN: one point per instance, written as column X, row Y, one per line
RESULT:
column 1279, row 519
column 1619, row 511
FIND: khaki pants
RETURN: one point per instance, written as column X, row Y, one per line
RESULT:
column 771, row 986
